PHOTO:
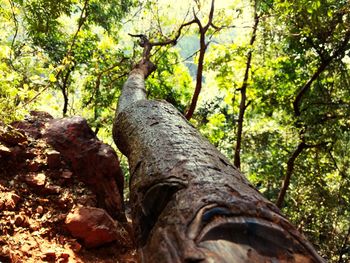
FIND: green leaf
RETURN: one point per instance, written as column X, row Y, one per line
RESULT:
column 52, row 78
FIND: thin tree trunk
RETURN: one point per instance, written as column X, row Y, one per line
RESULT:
column 203, row 48
column 64, row 90
column 243, row 105
column 189, row 204
column 289, row 172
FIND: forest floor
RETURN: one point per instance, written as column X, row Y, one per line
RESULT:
column 34, row 202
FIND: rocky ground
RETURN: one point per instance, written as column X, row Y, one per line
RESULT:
column 57, row 203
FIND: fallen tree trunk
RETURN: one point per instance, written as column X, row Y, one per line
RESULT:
column 189, row 204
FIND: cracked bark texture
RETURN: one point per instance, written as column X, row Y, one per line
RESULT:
column 189, row 203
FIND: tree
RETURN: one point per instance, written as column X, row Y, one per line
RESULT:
column 62, row 52
column 244, row 104
column 307, row 36
column 188, row 202
column 295, row 133
column 320, row 38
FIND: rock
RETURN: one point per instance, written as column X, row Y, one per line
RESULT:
column 35, row 165
column 66, row 174
column 61, row 217
column 53, row 159
column 34, row 226
column 64, row 255
column 8, row 200
column 41, row 115
column 11, row 136
column 4, row 151
column 34, row 124
column 26, row 247
column 21, row 221
column 49, row 255
column 40, row 209
column 23, row 154
column 51, row 189
column 36, row 180
column 95, row 163
column 5, row 255
column 87, row 200
column 64, row 202
column 2, row 241
column 61, row 240
column 75, row 246
column 93, row 226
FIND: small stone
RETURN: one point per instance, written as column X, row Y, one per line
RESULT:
column 34, row 166
column 64, row 255
column 26, row 248
column 93, row 225
column 8, row 201
column 49, row 255
column 40, row 209
column 43, row 201
column 4, row 151
column 51, row 189
column 66, row 174
column 65, row 201
column 75, row 246
column 62, row 260
column 21, row 221
column 35, row 226
column 53, row 159
column 35, row 179
column 87, row 200
column 18, row 221
column 61, row 240
column 11, row 136
column 61, row 217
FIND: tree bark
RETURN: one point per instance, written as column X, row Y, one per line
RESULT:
column 189, row 204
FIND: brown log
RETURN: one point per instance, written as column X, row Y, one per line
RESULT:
column 189, row 203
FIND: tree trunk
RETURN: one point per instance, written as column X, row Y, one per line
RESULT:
column 199, row 78
column 289, row 172
column 189, row 204
column 64, row 90
column 243, row 105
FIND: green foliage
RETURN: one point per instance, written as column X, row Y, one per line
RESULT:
column 171, row 81
column 80, row 50
column 294, row 39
